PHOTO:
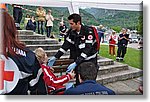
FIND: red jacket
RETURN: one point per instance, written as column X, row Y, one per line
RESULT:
column 112, row 39
column 52, row 81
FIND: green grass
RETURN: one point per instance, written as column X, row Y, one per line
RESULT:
column 133, row 57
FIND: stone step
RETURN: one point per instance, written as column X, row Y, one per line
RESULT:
column 45, row 47
column 32, row 37
column 119, row 76
column 100, row 60
column 25, row 32
column 107, row 68
column 63, row 67
column 36, row 42
column 104, row 61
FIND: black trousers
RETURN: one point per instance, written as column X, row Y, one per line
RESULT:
column 121, row 51
column 48, row 30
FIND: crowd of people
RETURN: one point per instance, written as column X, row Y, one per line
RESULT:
column 39, row 20
column 32, row 73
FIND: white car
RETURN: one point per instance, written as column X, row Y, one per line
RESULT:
column 133, row 38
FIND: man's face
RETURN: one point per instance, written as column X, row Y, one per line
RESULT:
column 40, row 7
column 73, row 25
column 124, row 31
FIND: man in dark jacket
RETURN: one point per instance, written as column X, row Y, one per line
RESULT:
column 122, row 45
column 83, row 43
column 88, row 86
column 17, row 14
column 62, row 29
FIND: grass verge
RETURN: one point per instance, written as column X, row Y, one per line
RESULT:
column 133, row 57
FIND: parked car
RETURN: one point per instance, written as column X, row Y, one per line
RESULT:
column 133, row 38
column 140, row 44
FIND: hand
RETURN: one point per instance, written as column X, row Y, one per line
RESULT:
column 51, row 61
column 71, row 67
column 72, row 73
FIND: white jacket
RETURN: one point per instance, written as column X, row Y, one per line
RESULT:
column 49, row 19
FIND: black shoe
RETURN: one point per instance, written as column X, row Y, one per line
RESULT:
column 52, row 37
column 121, row 59
column 59, row 40
column 18, row 28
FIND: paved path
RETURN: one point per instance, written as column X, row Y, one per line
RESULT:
column 133, row 45
column 127, row 87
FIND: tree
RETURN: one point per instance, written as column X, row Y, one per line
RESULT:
column 140, row 25
column 117, row 28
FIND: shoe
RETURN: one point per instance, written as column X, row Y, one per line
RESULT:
column 18, row 28
column 121, row 59
column 117, row 59
column 52, row 37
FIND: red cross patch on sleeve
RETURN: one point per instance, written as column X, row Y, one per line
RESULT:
column 90, row 37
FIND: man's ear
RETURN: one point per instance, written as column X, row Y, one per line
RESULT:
column 78, row 23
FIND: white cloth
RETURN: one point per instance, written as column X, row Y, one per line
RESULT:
column 49, row 19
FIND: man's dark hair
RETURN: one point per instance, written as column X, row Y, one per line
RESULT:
column 87, row 71
column 75, row 17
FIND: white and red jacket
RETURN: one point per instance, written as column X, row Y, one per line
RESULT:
column 52, row 81
column 112, row 39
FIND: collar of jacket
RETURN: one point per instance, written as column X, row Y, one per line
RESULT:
column 89, row 81
column 82, row 31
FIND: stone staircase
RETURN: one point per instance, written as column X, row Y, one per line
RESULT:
column 109, row 70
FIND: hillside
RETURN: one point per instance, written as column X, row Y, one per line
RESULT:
column 90, row 16
column 110, row 18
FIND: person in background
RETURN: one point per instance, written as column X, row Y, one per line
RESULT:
column 123, row 39
column 19, row 65
column 88, row 86
column 49, row 23
column 41, row 13
column 26, row 19
column 112, row 42
column 63, row 30
column 17, row 14
column 101, row 32
column 31, row 24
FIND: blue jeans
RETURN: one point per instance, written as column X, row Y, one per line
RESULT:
column 40, row 27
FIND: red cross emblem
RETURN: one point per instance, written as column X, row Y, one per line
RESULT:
column 5, row 75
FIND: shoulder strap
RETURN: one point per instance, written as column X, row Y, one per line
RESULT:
column 97, row 38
